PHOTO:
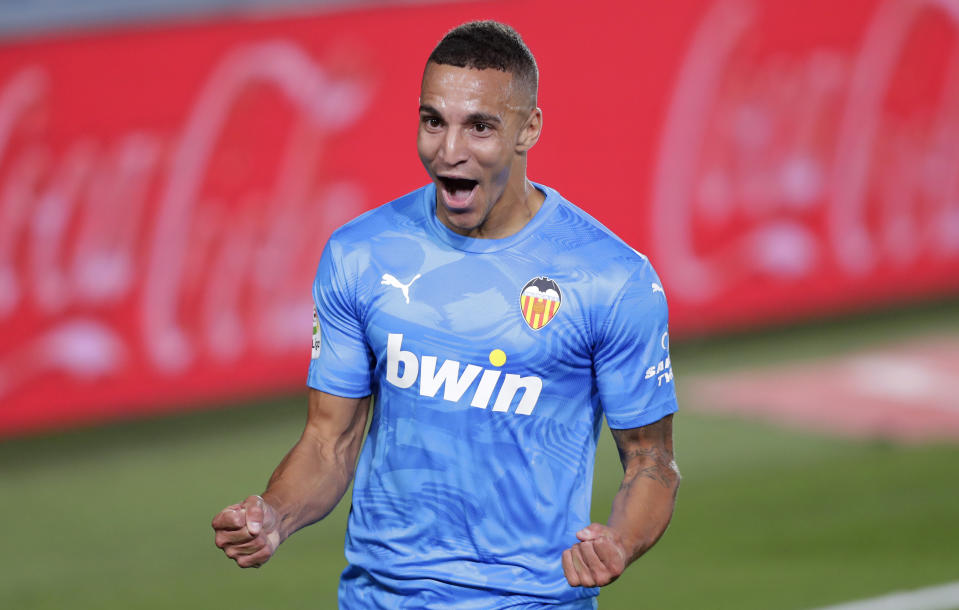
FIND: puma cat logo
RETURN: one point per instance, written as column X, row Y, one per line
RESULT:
column 390, row 280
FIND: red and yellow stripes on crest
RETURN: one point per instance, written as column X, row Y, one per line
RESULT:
column 538, row 312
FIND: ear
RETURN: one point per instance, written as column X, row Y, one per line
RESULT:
column 529, row 133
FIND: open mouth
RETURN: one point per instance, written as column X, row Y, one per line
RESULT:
column 458, row 192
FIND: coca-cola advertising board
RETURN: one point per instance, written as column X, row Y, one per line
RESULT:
column 166, row 191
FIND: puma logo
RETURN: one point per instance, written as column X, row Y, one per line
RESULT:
column 390, row 280
column 657, row 288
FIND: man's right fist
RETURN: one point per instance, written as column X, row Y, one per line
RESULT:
column 248, row 533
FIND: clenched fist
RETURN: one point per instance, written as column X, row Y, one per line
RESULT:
column 597, row 560
column 248, row 533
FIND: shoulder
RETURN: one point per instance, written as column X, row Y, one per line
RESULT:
column 386, row 232
column 622, row 291
column 392, row 230
column 582, row 240
column 400, row 216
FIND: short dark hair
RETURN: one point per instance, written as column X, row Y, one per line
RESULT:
column 488, row 44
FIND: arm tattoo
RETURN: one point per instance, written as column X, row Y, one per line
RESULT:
column 647, row 453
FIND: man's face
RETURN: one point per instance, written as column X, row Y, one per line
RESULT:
column 475, row 125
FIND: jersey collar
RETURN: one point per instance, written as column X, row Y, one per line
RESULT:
column 480, row 245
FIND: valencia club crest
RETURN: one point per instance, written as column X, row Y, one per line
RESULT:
column 539, row 301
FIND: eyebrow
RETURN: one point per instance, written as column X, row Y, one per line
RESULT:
column 483, row 117
column 475, row 117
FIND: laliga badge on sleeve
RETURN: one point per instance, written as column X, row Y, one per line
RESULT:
column 316, row 335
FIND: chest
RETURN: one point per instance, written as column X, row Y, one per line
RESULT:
column 508, row 310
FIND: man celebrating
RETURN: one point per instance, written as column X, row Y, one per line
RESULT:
column 495, row 324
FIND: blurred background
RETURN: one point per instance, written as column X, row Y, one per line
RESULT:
column 170, row 171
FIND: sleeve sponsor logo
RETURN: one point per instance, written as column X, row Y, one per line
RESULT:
column 662, row 371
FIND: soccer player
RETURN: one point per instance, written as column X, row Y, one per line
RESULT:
column 494, row 324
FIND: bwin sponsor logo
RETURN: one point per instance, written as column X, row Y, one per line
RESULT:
column 454, row 383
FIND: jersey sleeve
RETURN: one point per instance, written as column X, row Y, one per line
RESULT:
column 341, row 360
column 631, row 357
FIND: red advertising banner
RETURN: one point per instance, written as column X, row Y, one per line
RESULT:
column 165, row 192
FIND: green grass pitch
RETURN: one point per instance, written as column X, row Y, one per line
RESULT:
column 767, row 518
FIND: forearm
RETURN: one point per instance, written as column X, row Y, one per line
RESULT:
column 641, row 509
column 313, row 477
column 643, row 506
column 306, row 486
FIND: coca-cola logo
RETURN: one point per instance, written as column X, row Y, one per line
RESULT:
column 781, row 164
column 209, row 237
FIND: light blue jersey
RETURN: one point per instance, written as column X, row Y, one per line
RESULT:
column 491, row 363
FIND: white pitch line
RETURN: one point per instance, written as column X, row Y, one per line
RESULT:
column 941, row 597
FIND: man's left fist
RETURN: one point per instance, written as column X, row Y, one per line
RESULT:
column 597, row 560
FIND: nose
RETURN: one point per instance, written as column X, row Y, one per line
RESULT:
column 454, row 149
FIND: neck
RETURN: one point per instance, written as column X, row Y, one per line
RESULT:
column 515, row 208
